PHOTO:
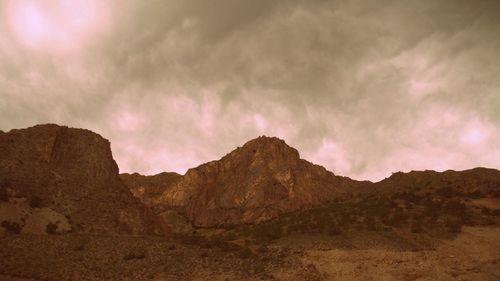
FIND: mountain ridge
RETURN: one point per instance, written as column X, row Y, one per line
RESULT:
column 68, row 178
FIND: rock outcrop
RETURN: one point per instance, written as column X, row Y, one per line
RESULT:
column 149, row 189
column 254, row 183
column 70, row 172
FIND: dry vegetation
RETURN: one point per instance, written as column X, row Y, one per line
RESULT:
column 406, row 236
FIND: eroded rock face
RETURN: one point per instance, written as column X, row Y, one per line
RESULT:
column 149, row 189
column 72, row 172
column 256, row 182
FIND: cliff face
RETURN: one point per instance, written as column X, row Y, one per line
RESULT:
column 150, row 188
column 256, row 182
column 71, row 172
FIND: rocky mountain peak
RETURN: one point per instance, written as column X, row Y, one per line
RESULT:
column 255, row 182
column 270, row 147
column 71, row 172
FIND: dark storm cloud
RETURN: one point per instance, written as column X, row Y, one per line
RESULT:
column 364, row 88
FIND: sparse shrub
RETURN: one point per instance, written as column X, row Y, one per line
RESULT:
column 416, row 226
column 228, row 246
column 345, row 220
column 79, row 244
column 268, row 232
column 192, row 239
column 446, row 192
column 12, row 227
column 496, row 212
column 370, row 223
column 332, row 229
column 35, row 202
column 135, row 254
column 399, row 218
column 453, row 225
column 51, row 228
column 475, row 194
column 459, row 210
column 230, row 236
column 4, row 195
column 455, row 207
column 263, row 249
column 432, row 209
column 259, row 268
column 245, row 253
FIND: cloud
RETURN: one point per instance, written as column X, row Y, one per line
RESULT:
column 364, row 89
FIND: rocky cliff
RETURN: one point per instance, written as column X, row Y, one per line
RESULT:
column 69, row 173
column 256, row 182
column 149, row 189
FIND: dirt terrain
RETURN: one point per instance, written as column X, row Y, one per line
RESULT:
column 472, row 255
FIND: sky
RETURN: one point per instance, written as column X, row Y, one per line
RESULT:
column 364, row 88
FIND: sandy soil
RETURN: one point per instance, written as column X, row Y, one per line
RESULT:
column 473, row 255
column 490, row 203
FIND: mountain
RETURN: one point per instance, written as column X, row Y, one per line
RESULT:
column 284, row 218
column 62, row 179
column 474, row 182
column 150, row 188
column 253, row 183
column 266, row 178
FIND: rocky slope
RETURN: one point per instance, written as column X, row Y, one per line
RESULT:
column 256, row 182
column 477, row 182
column 266, row 178
column 150, row 188
column 70, row 175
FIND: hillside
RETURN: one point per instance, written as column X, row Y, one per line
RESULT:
column 258, row 213
column 256, row 182
column 59, row 179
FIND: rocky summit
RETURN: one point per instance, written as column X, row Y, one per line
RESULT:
column 256, row 182
column 57, row 179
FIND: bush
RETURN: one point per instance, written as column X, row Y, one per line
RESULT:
column 135, row 254
column 35, row 202
column 245, row 253
column 446, row 192
column 455, row 207
column 332, row 229
column 370, row 223
column 398, row 218
column 51, row 228
column 453, row 225
column 269, row 232
column 192, row 239
column 11, row 227
column 263, row 249
column 4, row 195
column 416, row 226
column 228, row 246
column 79, row 243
